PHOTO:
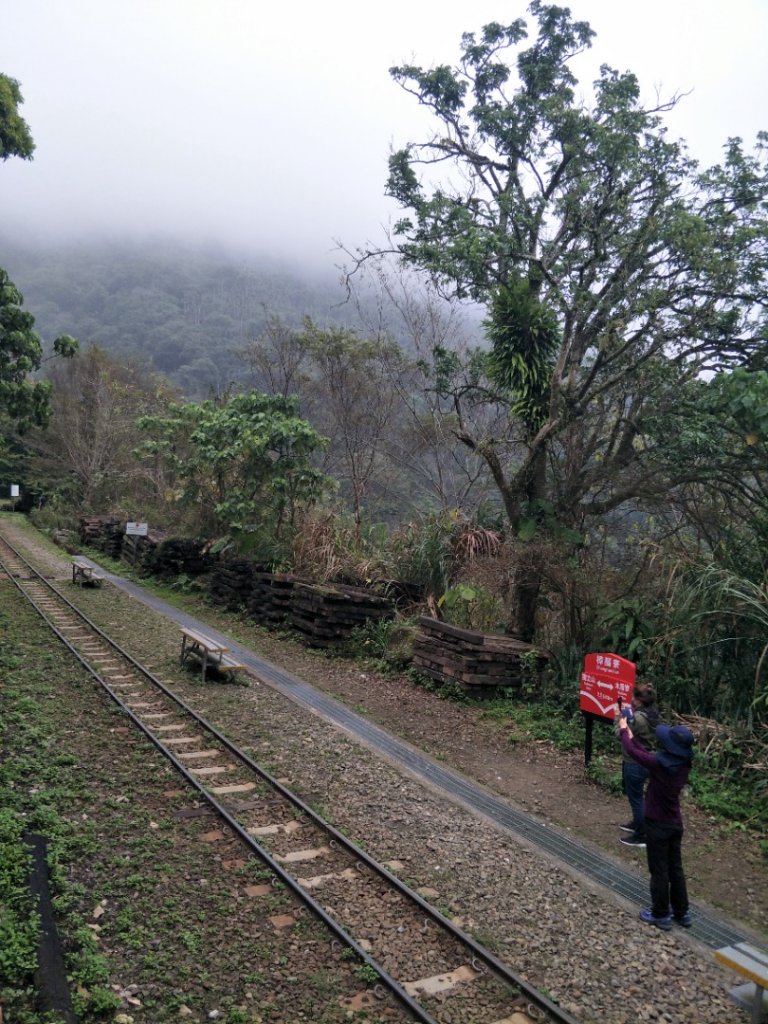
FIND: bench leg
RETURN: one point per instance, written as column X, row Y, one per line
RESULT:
column 757, row 1006
column 751, row 997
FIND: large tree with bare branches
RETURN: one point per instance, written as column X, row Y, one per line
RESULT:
column 615, row 271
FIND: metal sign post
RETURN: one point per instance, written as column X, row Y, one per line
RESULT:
column 136, row 530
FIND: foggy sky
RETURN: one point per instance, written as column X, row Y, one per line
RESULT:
column 268, row 125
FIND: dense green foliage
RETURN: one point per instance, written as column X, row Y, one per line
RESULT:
column 15, row 136
column 524, row 335
column 38, row 782
column 23, row 400
column 18, row 923
column 243, row 462
column 616, row 273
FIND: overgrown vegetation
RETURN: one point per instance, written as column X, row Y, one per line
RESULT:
column 37, row 781
column 592, row 476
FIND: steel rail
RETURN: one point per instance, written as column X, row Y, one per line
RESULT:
column 480, row 954
column 392, row 984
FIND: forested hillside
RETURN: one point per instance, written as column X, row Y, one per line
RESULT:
column 182, row 311
column 213, row 324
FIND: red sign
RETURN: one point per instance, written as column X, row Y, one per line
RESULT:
column 605, row 678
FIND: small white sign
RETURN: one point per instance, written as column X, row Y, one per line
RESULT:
column 136, row 529
column 14, row 490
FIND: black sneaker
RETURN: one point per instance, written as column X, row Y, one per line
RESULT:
column 633, row 841
column 629, row 827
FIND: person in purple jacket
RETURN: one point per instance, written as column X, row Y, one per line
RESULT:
column 669, row 770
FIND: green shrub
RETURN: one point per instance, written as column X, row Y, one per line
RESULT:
column 537, row 721
column 727, row 794
column 472, row 607
column 422, row 557
column 386, row 644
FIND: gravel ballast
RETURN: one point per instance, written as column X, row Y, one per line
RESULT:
column 575, row 941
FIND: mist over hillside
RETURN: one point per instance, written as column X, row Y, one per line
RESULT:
column 179, row 310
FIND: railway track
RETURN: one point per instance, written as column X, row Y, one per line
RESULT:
column 414, row 957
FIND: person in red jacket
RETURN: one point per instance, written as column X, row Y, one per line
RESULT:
column 669, row 770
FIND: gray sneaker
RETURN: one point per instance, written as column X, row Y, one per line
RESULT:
column 665, row 923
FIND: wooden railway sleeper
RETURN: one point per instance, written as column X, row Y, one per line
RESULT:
column 280, row 879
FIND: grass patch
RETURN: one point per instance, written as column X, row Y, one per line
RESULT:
column 40, row 783
column 546, row 722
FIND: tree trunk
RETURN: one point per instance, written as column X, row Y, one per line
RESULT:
column 527, row 574
column 527, row 590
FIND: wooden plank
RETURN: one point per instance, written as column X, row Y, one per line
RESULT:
column 438, row 626
column 748, row 961
column 227, row 665
column 202, row 640
column 437, row 631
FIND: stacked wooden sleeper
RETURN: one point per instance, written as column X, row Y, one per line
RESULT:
column 326, row 615
column 471, row 659
column 271, row 595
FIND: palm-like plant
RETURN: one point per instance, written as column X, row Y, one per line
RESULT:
column 711, row 593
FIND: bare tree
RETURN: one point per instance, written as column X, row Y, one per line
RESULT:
column 87, row 449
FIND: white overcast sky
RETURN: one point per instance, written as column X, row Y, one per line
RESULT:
column 268, row 124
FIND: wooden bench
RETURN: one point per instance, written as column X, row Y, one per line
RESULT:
column 210, row 652
column 751, row 963
column 83, row 573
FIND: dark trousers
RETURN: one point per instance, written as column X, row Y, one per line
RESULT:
column 665, row 863
column 633, row 776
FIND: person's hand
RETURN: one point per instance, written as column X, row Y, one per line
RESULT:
column 624, row 727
